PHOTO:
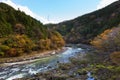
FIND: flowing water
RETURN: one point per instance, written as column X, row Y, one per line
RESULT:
column 39, row 65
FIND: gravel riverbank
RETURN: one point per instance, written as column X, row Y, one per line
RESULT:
column 92, row 65
column 29, row 58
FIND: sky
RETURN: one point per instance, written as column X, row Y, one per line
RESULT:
column 55, row 11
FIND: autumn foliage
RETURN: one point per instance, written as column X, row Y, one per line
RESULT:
column 44, row 44
column 19, row 29
column 53, row 41
column 109, row 40
column 19, row 44
column 15, row 45
column 56, row 40
column 115, row 56
column 12, row 52
column 20, row 33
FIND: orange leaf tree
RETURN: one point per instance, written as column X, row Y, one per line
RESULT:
column 115, row 56
column 109, row 40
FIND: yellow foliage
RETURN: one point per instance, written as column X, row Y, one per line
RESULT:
column 109, row 40
column 4, row 48
column 23, row 41
column 57, row 40
column 104, row 35
column 18, row 43
column 44, row 44
column 115, row 57
column 97, row 43
column 2, row 54
column 20, row 51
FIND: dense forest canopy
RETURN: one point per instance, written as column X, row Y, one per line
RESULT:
column 85, row 28
column 20, row 33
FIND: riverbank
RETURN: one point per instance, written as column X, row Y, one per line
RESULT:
column 33, row 56
column 41, row 65
column 92, row 65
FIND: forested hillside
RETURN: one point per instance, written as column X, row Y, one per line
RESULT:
column 85, row 28
column 20, row 33
column 10, row 17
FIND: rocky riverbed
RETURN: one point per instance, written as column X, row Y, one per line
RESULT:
column 33, row 56
column 41, row 65
column 74, row 64
column 89, row 65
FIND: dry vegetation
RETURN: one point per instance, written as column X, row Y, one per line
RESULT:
column 109, row 41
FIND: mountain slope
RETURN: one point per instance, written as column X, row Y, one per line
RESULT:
column 20, row 33
column 9, row 17
column 86, row 27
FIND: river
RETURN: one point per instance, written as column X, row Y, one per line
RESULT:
column 15, row 70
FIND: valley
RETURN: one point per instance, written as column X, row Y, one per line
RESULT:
column 84, row 48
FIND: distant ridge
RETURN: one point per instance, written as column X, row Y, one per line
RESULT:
column 86, row 27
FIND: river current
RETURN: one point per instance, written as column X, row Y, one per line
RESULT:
column 39, row 65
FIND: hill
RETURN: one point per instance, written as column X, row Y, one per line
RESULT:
column 20, row 33
column 9, row 17
column 84, row 28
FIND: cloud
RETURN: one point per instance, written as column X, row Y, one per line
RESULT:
column 27, row 11
column 104, row 3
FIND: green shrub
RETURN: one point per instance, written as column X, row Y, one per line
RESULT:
column 2, row 54
column 4, row 47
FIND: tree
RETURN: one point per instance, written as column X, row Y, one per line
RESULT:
column 57, row 40
column 109, row 40
column 15, row 45
column 19, row 29
column 44, row 44
column 115, row 57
